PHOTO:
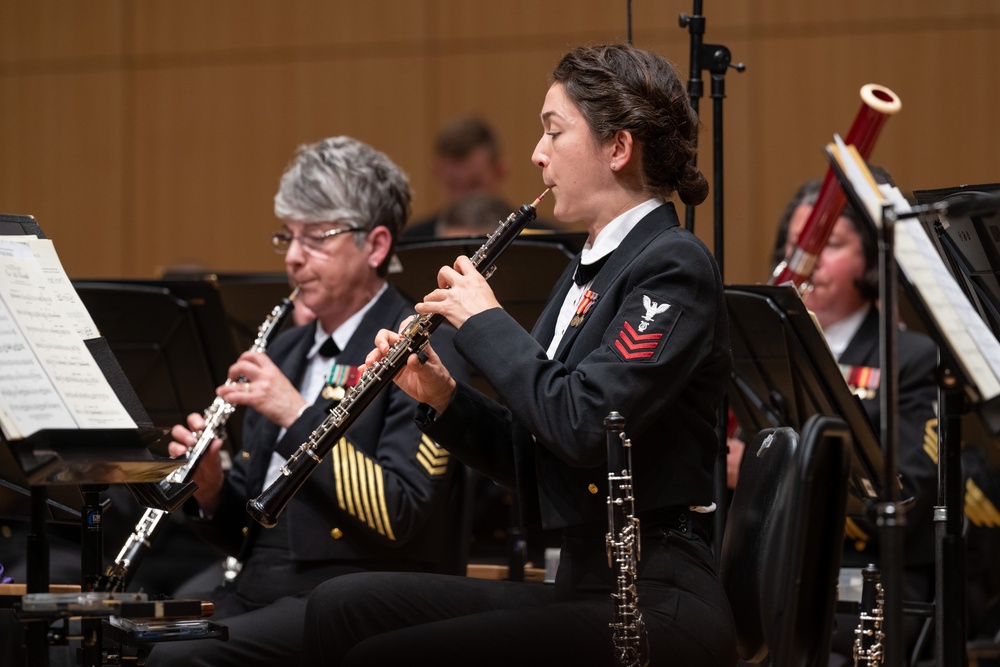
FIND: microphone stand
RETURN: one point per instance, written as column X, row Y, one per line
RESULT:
column 715, row 58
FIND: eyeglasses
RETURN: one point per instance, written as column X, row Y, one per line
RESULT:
column 281, row 241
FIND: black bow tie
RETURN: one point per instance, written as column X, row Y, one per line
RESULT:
column 586, row 272
column 329, row 349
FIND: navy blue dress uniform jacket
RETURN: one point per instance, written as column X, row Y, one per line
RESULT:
column 653, row 346
column 379, row 495
column 917, row 427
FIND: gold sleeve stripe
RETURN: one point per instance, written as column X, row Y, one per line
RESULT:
column 931, row 439
column 358, row 509
column 338, row 471
column 361, row 487
column 978, row 507
column 372, row 471
column 385, row 514
column 853, row 531
column 432, row 457
column 363, row 466
column 377, row 504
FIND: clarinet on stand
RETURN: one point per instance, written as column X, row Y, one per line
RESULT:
column 717, row 59
column 628, row 632
column 868, row 636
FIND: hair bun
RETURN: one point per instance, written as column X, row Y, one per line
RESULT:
column 693, row 188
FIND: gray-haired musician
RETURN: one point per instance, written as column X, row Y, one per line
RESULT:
column 636, row 324
column 379, row 502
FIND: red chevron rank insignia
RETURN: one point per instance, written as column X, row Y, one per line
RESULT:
column 645, row 327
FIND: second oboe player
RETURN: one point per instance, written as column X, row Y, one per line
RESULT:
column 381, row 501
column 636, row 324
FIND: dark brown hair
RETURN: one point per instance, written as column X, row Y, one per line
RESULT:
column 618, row 87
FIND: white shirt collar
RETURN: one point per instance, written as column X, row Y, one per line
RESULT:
column 615, row 231
column 839, row 334
column 342, row 334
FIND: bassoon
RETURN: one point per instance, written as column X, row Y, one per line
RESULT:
column 268, row 506
column 877, row 104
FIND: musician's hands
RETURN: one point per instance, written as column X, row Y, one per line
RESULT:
column 266, row 389
column 463, row 292
column 428, row 382
column 208, row 475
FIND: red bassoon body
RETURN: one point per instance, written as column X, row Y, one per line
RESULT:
column 877, row 104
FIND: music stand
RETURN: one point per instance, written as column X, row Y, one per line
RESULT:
column 85, row 458
column 246, row 299
column 968, row 244
column 784, row 372
column 19, row 225
column 166, row 337
column 522, row 282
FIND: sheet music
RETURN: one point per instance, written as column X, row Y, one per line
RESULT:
column 970, row 339
column 861, row 180
column 59, row 284
column 42, row 354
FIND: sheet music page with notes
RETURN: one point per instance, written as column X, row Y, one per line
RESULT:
column 48, row 378
column 974, row 345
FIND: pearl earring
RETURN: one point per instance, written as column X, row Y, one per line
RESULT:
column 614, row 166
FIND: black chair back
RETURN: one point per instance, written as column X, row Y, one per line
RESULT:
column 783, row 539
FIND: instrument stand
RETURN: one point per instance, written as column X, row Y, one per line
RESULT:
column 91, row 560
column 78, row 463
column 955, row 385
column 949, row 557
column 949, row 612
column 717, row 59
column 890, row 513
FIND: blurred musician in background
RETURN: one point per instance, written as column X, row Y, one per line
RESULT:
column 381, row 502
column 843, row 298
column 636, row 324
column 467, row 160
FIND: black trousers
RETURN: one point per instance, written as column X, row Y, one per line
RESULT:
column 264, row 613
column 416, row 619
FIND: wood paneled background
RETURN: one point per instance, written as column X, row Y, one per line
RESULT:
column 147, row 134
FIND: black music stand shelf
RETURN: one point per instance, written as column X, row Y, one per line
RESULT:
column 85, row 456
column 784, row 373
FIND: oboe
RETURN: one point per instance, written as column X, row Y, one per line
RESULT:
column 628, row 632
column 118, row 574
column 869, row 636
column 268, row 506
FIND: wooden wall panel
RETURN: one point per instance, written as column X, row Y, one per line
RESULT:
column 164, row 126
column 86, row 33
column 213, row 144
column 256, row 29
column 61, row 161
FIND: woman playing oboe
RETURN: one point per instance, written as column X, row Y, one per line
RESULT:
column 636, row 324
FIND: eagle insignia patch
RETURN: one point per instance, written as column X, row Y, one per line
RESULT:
column 645, row 327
